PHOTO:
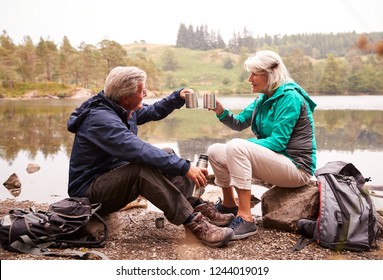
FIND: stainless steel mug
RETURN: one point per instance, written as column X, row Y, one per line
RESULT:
column 209, row 101
column 160, row 222
column 191, row 100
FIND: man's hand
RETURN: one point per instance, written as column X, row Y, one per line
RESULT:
column 198, row 175
column 185, row 90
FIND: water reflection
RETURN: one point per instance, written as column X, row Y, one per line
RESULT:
column 35, row 131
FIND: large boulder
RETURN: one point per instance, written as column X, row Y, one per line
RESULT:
column 13, row 185
column 283, row 207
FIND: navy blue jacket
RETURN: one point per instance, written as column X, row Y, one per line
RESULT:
column 106, row 137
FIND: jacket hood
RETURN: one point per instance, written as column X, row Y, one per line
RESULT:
column 304, row 94
column 98, row 100
column 294, row 86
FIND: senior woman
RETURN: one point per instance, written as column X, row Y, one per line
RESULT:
column 283, row 149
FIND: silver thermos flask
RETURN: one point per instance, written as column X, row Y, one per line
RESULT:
column 202, row 162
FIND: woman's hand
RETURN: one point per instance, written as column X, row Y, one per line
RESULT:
column 198, row 175
column 219, row 108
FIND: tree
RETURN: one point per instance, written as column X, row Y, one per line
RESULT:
column 113, row 53
column 331, row 80
column 182, row 36
column 301, row 69
column 201, row 39
column 8, row 66
column 365, row 75
column 91, row 68
column 228, row 63
column 67, row 61
column 169, row 60
column 219, row 43
column 47, row 55
column 27, row 60
column 151, row 70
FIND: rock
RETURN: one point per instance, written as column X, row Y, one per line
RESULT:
column 283, row 207
column 140, row 202
column 80, row 93
column 13, row 185
column 32, row 168
column 30, row 94
column 96, row 229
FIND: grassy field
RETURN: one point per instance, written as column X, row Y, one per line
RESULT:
column 201, row 70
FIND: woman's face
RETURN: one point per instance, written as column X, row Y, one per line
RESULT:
column 258, row 82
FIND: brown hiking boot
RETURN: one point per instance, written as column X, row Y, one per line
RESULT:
column 216, row 218
column 208, row 233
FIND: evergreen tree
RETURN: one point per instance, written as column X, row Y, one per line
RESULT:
column 47, row 55
column 92, row 66
column 8, row 66
column 190, row 40
column 219, row 42
column 27, row 60
column 67, row 61
column 182, row 36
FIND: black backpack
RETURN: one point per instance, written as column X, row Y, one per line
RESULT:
column 61, row 226
column 347, row 218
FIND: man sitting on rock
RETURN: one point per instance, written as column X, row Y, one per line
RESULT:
column 111, row 165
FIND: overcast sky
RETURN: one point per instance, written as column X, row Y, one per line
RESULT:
column 158, row 21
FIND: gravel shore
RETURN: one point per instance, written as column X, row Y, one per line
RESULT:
column 134, row 236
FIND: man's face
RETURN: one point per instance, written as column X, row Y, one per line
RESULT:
column 134, row 101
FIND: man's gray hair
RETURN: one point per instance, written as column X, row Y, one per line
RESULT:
column 123, row 81
column 269, row 63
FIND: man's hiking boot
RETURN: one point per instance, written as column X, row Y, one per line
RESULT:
column 208, row 233
column 225, row 210
column 242, row 228
column 216, row 218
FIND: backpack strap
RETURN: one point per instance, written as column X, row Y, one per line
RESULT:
column 29, row 247
column 301, row 243
column 89, row 243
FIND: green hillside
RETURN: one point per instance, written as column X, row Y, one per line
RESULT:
column 208, row 70
column 339, row 64
column 200, row 70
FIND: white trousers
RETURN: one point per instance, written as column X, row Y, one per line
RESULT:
column 240, row 162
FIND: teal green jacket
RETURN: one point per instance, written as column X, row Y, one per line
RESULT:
column 282, row 123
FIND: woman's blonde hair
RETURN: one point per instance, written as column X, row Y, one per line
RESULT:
column 270, row 64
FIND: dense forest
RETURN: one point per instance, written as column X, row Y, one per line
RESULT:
column 317, row 45
column 344, row 63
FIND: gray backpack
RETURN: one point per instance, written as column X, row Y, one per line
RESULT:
column 347, row 218
column 61, row 226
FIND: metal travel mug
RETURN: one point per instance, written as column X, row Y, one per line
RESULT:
column 202, row 162
column 209, row 101
column 160, row 222
column 191, row 100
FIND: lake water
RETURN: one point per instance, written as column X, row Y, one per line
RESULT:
column 348, row 128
